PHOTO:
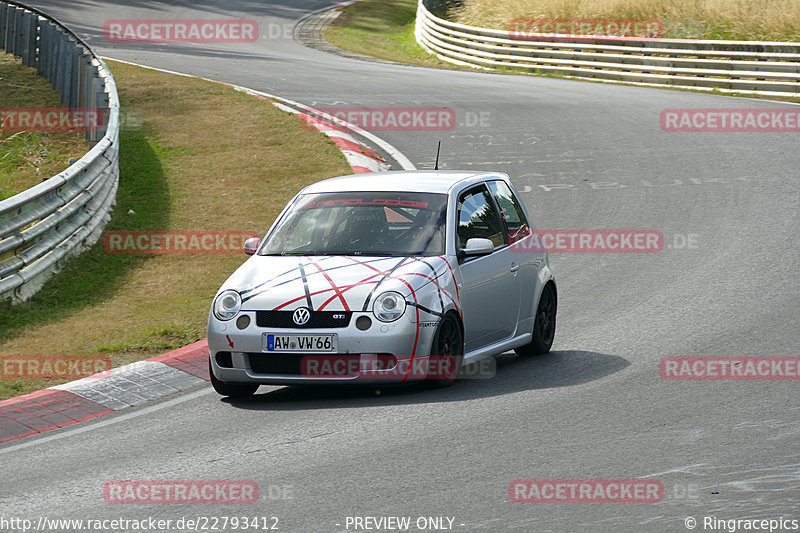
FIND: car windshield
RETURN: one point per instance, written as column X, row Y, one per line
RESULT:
column 361, row 223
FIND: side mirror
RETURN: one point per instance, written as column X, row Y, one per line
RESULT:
column 476, row 246
column 251, row 245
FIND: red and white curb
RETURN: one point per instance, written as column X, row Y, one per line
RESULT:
column 104, row 393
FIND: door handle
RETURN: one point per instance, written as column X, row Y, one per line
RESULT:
column 514, row 267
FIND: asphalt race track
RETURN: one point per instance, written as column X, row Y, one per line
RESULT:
column 585, row 155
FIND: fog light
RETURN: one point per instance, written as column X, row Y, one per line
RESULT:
column 363, row 323
column 224, row 359
column 243, row 321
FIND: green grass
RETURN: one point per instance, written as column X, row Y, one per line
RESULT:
column 181, row 168
column 28, row 157
column 382, row 29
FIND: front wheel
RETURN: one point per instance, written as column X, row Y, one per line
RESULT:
column 234, row 390
column 447, row 353
column 544, row 325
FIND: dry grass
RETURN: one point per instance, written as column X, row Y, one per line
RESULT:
column 200, row 156
column 767, row 20
column 26, row 158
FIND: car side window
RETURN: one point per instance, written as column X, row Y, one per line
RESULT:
column 478, row 218
column 511, row 211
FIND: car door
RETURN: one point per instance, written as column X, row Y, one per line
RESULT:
column 529, row 259
column 490, row 292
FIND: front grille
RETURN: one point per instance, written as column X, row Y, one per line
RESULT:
column 291, row 364
column 318, row 320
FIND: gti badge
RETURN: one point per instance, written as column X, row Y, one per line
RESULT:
column 301, row 316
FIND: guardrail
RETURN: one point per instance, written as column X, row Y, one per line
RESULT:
column 43, row 226
column 769, row 68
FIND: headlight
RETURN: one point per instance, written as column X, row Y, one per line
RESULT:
column 227, row 305
column 389, row 306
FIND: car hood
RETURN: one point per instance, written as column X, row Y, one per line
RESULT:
column 338, row 283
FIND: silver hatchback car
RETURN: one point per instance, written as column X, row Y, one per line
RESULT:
column 384, row 277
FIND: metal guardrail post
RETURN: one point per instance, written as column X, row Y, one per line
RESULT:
column 11, row 36
column 28, row 40
column 44, row 47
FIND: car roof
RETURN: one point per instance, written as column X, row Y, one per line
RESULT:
column 435, row 181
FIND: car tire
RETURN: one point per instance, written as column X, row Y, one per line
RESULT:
column 447, row 341
column 234, row 390
column 544, row 325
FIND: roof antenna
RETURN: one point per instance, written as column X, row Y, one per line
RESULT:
column 436, row 166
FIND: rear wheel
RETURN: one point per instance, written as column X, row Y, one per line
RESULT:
column 544, row 325
column 447, row 353
column 234, row 390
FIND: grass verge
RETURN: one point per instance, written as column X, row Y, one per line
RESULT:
column 382, row 29
column 199, row 156
column 26, row 158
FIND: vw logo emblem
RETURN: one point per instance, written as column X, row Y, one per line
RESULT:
column 301, row 316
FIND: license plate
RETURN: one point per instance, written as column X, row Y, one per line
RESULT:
column 300, row 343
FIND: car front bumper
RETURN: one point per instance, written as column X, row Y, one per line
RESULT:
column 394, row 352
